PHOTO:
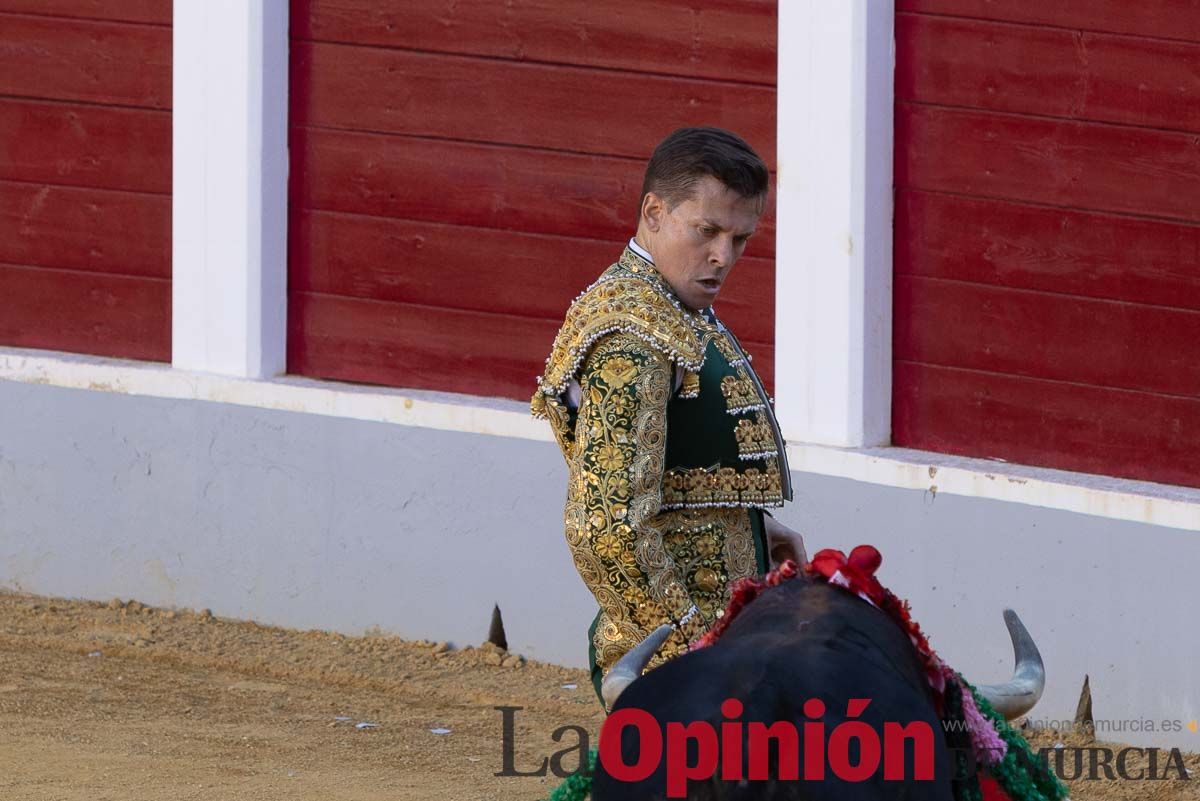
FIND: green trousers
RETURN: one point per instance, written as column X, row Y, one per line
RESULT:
column 762, row 556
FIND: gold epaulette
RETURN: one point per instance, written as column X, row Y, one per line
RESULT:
column 624, row 304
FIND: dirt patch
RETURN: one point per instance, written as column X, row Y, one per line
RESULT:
column 1090, row 754
column 124, row 702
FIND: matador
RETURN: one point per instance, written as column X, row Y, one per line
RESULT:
column 671, row 442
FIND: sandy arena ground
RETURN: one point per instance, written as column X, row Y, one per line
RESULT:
column 122, row 702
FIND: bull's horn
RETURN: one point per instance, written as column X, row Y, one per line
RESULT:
column 1019, row 694
column 630, row 666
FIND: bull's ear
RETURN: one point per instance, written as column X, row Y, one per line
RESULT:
column 629, row 667
column 1019, row 694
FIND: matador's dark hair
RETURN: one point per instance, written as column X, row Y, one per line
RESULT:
column 689, row 154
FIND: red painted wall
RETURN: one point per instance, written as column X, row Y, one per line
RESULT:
column 1047, row 245
column 85, row 176
column 460, row 172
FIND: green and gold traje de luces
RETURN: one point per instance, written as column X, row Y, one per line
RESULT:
column 671, row 453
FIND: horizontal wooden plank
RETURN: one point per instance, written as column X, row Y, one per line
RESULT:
column 482, row 269
column 420, row 347
column 1058, row 337
column 1169, row 19
column 1079, row 165
column 156, row 12
column 535, row 105
column 94, row 146
column 747, row 301
column 102, row 315
column 724, row 39
column 97, row 62
column 92, row 230
column 1048, row 71
column 484, row 186
column 1049, row 424
column 1054, row 250
column 423, row 347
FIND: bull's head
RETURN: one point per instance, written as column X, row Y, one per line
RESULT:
column 1012, row 699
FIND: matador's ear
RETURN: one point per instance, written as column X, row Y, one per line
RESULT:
column 653, row 209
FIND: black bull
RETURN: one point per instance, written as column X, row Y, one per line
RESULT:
column 800, row 640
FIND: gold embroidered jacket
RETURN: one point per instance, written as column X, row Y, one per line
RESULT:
column 660, row 480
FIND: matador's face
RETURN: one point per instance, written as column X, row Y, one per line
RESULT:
column 696, row 243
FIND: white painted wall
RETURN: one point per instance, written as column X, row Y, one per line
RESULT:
column 933, row 473
column 320, row 521
column 833, row 297
column 229, row 193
